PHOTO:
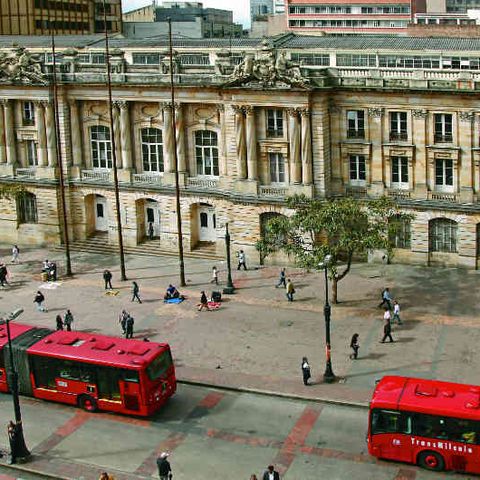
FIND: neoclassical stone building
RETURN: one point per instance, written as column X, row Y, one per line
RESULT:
column 256, row 121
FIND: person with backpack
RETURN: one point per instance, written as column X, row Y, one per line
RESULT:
column 68, row 320
column 129, row 327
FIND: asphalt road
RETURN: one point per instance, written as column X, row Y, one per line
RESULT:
column 211, row 434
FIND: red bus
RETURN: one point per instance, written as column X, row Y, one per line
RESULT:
column 94, row 372
column 433, row 424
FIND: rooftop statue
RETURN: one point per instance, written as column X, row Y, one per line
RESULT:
column 21, row 67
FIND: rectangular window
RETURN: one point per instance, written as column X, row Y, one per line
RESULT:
column 32, row 158
column 27, row 208
column 206, row 152
column 390, row 421
column 347, row 60
column 446, row 428
column 98, row 58
column 152, row 150
column 274, row 123
column 277, row 167
column 398, row 126
column 195, row 59
column 444, row 173
column 355, row 124
column 400, row 236
column 311, row 59
column 28, row 116
column 101, row 147
column 357, row 169
column 146, row 58
column 443, row 127
column 400, row 172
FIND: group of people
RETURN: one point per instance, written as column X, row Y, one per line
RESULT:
column 66, row 322
column 126, row 321
column 287, row 284
column 50, row 269
column 389, row 307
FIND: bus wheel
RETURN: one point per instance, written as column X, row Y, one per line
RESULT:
column 431, row 461
column 88, row 403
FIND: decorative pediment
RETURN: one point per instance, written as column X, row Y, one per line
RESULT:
column 19, row 66
column 267, row 69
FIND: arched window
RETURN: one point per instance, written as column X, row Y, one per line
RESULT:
column 101, row 147
column 27, row 208
column 443, row 235
column 206, row 152
column 152, row 150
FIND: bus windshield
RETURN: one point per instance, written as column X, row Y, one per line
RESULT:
column 159, row 366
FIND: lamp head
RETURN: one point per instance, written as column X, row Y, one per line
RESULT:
column 16, row 313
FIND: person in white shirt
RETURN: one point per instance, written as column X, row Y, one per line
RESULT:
column 242, row 260
column 387, row 328
column 271, row 474
column 15, row 254
column 396, row 312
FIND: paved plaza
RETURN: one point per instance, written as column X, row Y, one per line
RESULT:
column 255, row 341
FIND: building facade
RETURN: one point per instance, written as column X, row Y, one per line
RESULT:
column 255, row 122
column 259, row 8
column 351, row 17
column 40, row 17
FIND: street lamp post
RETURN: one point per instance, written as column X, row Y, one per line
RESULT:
column 229, row 289
column 328, row 376
column 19, row 448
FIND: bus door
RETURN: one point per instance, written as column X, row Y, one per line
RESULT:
column 130, row 392
column 390, row 432
column 3, row 377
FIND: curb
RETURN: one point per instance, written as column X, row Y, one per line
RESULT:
column 20, row 468
column 270, row 393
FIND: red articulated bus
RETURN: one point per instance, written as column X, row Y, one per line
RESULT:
column 94, row 372
column 433, row 424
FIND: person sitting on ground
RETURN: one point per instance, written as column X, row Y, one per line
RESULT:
column 172, row 292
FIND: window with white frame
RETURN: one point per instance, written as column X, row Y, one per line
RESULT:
column 398, row 126
column 101, row 146
column 28, row 114
column 444, row 174
column 32, row 157
column 274, row 122
column 152, row 150
column 443, row 127
column 206, row 152
column 443, row 235
column 146, row 58
column 357, row 169
column 27, row 208
column 355, row 124
column 277, row 167
column 399, row 172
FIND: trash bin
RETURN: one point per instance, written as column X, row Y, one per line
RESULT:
column 44, row 277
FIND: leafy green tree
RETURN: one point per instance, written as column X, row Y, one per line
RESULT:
column 343, row 228
column 10, row 190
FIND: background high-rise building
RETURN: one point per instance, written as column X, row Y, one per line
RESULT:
column 40, row 17
column 259, row 8
column 278, row 6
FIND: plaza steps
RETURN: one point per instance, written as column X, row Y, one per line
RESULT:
column 98, row 243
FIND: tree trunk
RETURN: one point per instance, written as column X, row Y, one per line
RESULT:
column 334, row 290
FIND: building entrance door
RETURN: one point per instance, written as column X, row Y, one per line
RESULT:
column 101, row 220
column 208, row 223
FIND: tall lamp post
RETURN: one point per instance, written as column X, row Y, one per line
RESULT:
column 229, row 289
column 328, row 376
column 19, row 448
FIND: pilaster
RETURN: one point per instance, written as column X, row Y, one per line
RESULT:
column 41, row 134
column 3, row 153
column 465, row 140
column 419, row 136
column 51, row 134
column 306, row 147
column 240, row 141
column 377, row 185
column 294, row 141
column 252, row 167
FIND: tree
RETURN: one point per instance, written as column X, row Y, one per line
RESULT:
column 10, row 190
column 343, row 228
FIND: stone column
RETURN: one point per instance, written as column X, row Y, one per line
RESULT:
column 419, row 136
column 294, row 140
column 240, row 141
column 252, row 167
column 168, row 137
column 51, row 134
column 10, row 145
column 377, row 170
column 306, row 147
column 3, row 153
column 116, row 134
column 41, row 135
column 125, row 135
column 465, row 140
column 76, row 135
column 180, row 137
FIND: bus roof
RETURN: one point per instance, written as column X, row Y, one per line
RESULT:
column 16, row 329
column 98, row 349
column 427, row 396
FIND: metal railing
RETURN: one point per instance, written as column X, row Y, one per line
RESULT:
column 95, row 175
column 147, row 177
column 25, row 172
column 203, row 183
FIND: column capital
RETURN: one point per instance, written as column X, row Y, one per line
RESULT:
column 249, row 109
column 467, row 117
column 121, row 104
column 220, row 107
column 5, row 102
column 376, row 112
column 237, row 108
column 304, row 112
column 420, row 113
column 72, row 103
column 293, row 111
column 170, row 106
column 41, row 103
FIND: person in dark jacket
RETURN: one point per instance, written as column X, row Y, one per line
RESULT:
column 354, row 345
column 271, row 474
column 129, row 327
column 164, row 469
column 306, row 370
column 203, row 302
column 387, row 330
column 38, row 300
column 135, row 292
column 59, row 322
column 107, row 277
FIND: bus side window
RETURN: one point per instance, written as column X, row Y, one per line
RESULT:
column 390, row 421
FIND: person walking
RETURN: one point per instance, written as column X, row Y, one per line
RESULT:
column 386, row 299
column 396, row 313
column 203, row 302
column 306, row 370
column 290, row 290
column 164, row 468
column 271, row 474
column 107, row 277
column 122, row 320
column 214, row 276
column 387, row 328
column 354, row 345
column 242, row 261
column 3, row 274
column 59, row 322
column 68, row 320
column 38, row 300
column 135, row 292
column 129, row 327
column 282, row 279
column 15, row 254
column 12, row 432
column 150, row 230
